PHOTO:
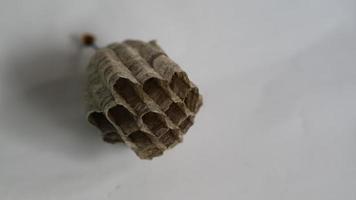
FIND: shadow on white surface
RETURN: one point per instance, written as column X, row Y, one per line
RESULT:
column 45, row 109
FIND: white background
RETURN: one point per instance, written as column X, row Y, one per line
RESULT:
column 279, row 85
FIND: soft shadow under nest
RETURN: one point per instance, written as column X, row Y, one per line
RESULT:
column 47, row 87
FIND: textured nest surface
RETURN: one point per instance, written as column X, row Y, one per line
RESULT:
column 137, row 95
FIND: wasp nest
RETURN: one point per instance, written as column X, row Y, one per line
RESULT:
column 137, row 95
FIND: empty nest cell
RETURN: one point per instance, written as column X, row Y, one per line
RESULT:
column 126, row 90
column 179, row 85
column 175, row 113
column 155, row 122
column 140, row 139
column 186, row 124
column 192, row 100
column 112, row 137
column 169, row 138
column 123, row 118
column 154, row 89
column 99, row 120
column 150, row 152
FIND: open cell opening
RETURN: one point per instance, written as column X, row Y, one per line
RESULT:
column 99, row 120
column 175, row 113
column 169, row 138
column 112, row 137
column 192, row 100
column 122, row 117
column 154, row 89
column 186, row 124
column 151, row 152
column 155, row 123
column 127, row 91
column 140, row 139
column 179, row 86
column 109, row 133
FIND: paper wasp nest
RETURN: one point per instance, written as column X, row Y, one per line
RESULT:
column 137, row 95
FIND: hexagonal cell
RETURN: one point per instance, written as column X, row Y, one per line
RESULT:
column 109, row 133
column 112, row 137
column 99, row 120
column 150, row 152
column 169, row 138
column 179, row 85
column 175, row 113
column 155, row 123
column 154, row 89
column 192, row 100
column 186, row 124
column 140, row 139
column 126, row 90
column 123, row 118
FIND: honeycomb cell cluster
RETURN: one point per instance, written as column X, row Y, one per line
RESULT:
column 137, row 95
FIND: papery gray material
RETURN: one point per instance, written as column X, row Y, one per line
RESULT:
column 137, row 95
